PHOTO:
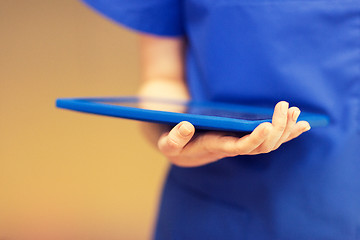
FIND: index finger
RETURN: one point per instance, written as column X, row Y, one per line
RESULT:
column 232, row 146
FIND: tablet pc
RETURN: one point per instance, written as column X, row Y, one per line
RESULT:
column 203, row 115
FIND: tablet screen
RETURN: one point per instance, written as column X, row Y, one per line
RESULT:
column 208, row 108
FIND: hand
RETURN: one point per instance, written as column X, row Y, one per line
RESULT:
column 185, row 148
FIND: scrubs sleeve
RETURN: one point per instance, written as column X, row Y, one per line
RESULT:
column 158, row 17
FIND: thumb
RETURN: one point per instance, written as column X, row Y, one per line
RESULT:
column 173, row 142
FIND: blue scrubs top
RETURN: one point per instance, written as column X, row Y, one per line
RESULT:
column 306, row 52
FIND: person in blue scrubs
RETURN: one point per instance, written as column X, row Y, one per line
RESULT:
column 260, row 52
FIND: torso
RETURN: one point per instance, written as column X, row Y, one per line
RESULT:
column 306, row 53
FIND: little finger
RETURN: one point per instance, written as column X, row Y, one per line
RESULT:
column 299, row 128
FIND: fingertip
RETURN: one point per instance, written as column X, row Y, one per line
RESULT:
column 305, row 126
column 281, row 108
column 284, row 107
column 293, row 113
column 293, row 109
column 284, row 102
column 186, row 129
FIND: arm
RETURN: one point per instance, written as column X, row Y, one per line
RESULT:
column 163, row 76
column 162, row 64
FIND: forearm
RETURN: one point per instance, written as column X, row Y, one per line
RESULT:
column 164, row 88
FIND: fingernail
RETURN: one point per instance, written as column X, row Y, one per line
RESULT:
column 184, row 130
column 307, row 128
column 284, row 107
column 296, row 114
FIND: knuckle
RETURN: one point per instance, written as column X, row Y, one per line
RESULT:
column 230, row 147
column 256, row 139
column 281, row 127
column 266, row 149
column 160, row 145
column 244, row 151
column 171, row 143
column 266, row 125
column 211, row 142
column 169, row 147
column 202, row 140
column 231, row 150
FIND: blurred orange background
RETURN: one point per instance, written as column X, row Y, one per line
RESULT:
column 67, row 175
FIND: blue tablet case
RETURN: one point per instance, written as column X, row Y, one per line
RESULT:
column 203, row 115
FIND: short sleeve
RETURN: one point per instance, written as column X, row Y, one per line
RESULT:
column 158, row 17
